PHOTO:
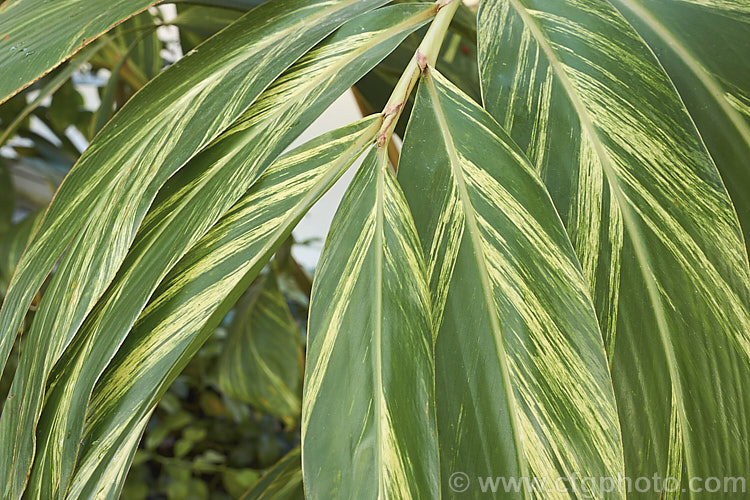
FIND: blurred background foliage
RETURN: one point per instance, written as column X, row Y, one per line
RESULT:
column 229, row 425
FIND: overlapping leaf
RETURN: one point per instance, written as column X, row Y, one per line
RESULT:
column 703, row 48
column 261, row 363
column 523, row 387
column 649, row 218
column 50, row 88
column 194, row 199
column 37, row 35
column 368, row 422
column 195, row 296
column 104, row 198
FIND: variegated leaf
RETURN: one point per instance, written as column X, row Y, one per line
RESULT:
column 261, row 363
column 50, row 88
column 368, row 422
column 192, row 201
column 195, row 296
column 703, row 47
column 282, row 482
column 105, row 197
column 523, row 387
column 116, row 175
column 36, row 35
column 650, row 220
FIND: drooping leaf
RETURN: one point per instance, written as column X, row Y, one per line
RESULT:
column 36, row 35
column 650, row 220
column 194, row 199
column 261, row 363
column 226, row 66
column 521, row 373
column 703, row 47
column 282, row 482
column 103, row 200
column 198, row 293
column 368, row 422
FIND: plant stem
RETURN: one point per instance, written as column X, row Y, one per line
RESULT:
column 426, row 55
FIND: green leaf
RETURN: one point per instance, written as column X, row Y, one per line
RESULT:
column 457, row 61
column 196, row 295
column 368, row 422
column 261, row 363
column 520, row 370
column 650, row 220
column 702, row 46
column 197, row 23
column 7, row 200
column 237, row 482
column 54, row 84
column 107, row 104
column 204, row 21
column 105, row 197
column 283, row 481
column 241, row 5
column 139, row 38
column 14, row 241
column 194, row 199
column 36, row 35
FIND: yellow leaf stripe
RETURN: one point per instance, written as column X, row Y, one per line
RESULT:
column 369, row 370
column 693, row 44
column 522, row 380
column 649, row 217
column 283, row 480
column 198, row 292
column 193, row 200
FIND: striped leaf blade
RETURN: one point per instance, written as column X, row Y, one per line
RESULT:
column 36, row 35
column 702, row 46
column 283, row 481
column 116, row 175
column 261, row 363
column 194, row 199
column 522, row 383
column 649, row 218
column 368, row 422
column 105, row 197
column 196, row 295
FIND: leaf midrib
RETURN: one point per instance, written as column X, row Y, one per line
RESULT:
column 695, row 66
column 639, row 245
column 473, row 229
column 378, row 334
